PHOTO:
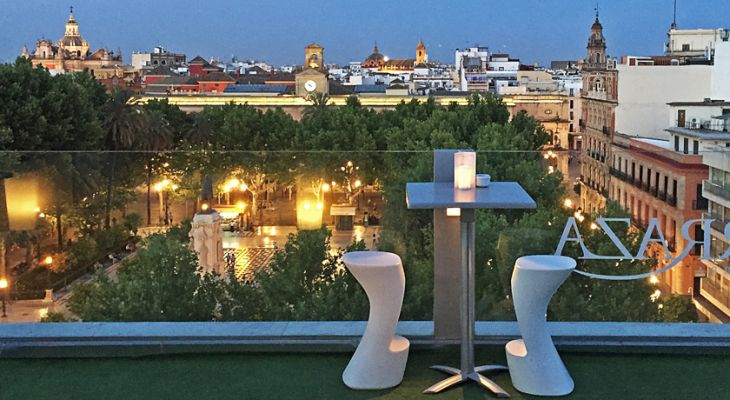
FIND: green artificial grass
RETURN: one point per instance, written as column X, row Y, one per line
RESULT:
column 318, row 376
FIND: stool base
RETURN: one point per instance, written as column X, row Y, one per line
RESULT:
column 458, row 378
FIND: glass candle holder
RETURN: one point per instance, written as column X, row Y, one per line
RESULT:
column 465, row 170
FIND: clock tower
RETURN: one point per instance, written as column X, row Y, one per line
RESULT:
column 313, row 79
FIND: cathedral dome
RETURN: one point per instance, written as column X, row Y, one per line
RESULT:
column 376, row 56
column 72, row 41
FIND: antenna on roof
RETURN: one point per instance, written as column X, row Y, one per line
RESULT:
column 674, row 21
column 596, row 11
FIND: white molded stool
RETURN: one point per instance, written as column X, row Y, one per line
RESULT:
column 380, row 359
column 534, row 364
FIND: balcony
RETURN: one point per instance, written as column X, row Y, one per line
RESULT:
column 662, row 196
column 672, row 201
column 719, row 293
column 597, row 94
column 717, row 189
column 718, row 222
column 702, row 125
column 606, row 130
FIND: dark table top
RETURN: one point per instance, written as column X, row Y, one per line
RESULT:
column 502, row 195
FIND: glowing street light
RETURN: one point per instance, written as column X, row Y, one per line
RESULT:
column 326, row 187
column 653, row 280
column 48, row 260
column 568, row 203
column 241, row 205
column 243, row 187
column 594, row 226
column 204, row 206
column 358, row 183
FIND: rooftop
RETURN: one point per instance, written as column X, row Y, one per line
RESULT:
column 282, row 360
column 318, row 375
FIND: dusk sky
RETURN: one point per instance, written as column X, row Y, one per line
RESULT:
column 277, row 30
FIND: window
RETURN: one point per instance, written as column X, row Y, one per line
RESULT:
column 695, row 147
column 676, row 143
column 686, row 146
column 648, row 177
column 681, row 118
column 571, row 102
column 685, row 47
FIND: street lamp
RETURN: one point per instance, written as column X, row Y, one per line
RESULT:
column 4, row 287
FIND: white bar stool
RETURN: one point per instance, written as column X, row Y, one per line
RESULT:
column 380, row 359
column 534, row 364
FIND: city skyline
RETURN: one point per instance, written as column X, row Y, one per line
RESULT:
column 281, row 30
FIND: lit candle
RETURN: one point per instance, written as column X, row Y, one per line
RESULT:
column 465, row 170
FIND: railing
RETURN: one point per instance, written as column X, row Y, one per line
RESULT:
column 662, row 196
column 672, row 201
column 654, row 191
column 719, row 293
column 606, row 130
column 702, row 124
column 718, row 222
column 717, row 189
column 617, row 173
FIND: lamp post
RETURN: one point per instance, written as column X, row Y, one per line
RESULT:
column 4, row 287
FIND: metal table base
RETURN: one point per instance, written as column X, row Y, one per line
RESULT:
column 467, row 371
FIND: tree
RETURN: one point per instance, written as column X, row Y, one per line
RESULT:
column 305, row 281
column 159, row 136
column 164, row 282
column 674, row 308
column 124, row 126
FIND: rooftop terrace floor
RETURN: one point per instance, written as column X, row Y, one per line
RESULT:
column 318, row 376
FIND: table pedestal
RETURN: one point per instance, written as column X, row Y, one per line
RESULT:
column 467, row 371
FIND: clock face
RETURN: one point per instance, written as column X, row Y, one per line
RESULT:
column 310, row 86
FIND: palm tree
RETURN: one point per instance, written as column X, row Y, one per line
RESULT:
column 320, row 102
column 158, row 138
column 124, row 125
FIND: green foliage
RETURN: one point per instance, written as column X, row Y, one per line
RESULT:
column 83, row 252
column 132, row 222
column 676, row 308
column 180, row 232
column 112, row 238
column 162, row 283
column 305, row 282
column 71, row 112
column 55, row 317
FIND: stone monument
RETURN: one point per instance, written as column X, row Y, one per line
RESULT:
column 206, row 234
